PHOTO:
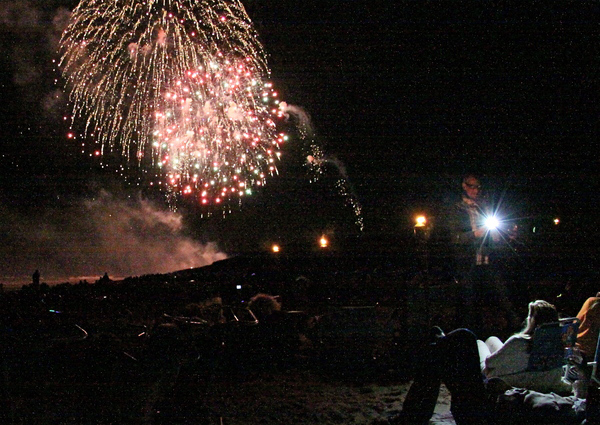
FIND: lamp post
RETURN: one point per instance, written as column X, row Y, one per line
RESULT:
column 421, row 232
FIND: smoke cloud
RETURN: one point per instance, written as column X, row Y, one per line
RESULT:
column 317, row 160
column 120, row 237
column 19, row 15
column 302, row 118
column 34, row 33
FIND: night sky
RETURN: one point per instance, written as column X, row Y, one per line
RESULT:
column 404, row 97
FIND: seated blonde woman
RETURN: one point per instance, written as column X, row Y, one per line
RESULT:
column 509, row 360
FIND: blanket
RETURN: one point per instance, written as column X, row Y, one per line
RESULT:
column 520, row 405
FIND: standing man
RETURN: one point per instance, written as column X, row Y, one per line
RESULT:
column 484, row 304
column 470, row 238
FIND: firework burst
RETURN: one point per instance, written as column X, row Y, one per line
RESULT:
column 177, row 85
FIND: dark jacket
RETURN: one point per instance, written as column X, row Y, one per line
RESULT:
column 464, row 244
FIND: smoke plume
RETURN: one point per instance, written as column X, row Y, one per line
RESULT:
column 120, row 237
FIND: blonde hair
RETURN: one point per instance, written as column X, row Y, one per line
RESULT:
column 540, row 312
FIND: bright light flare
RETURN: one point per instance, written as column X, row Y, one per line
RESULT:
column 492, row 222
column 275, row 248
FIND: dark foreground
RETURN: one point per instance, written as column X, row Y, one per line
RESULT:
column 146, row 350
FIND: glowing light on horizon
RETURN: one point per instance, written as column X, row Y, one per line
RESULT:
column 176, row 86
column 420, row 221
column 323, row 242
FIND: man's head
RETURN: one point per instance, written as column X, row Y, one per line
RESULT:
column 471, row 186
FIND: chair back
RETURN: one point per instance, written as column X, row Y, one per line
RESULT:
column 550, row 344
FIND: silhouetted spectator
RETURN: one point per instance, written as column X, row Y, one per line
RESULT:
column 264, row 306
column 279, row 337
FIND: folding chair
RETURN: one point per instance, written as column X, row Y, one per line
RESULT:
column 594, row 364
column 553, row 345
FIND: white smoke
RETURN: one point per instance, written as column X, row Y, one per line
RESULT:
column 34, row 33
column 24, row 59
column 234, row 112
column 133, row 50
column 121, row 238
column 60, row 21
column 52, row 102
column 19, row 15
column 317, row 160
column 339, row 166
column 302, row 117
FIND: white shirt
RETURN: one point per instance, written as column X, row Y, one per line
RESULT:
column 510, row 364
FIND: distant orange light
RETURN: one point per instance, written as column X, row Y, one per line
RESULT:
column 420, row 221
column 323, row 242
column 556, row 221
column 275, row 248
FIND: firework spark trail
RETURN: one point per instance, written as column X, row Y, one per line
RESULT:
column 316, row 160
column 343, row 186
column 178, row 85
